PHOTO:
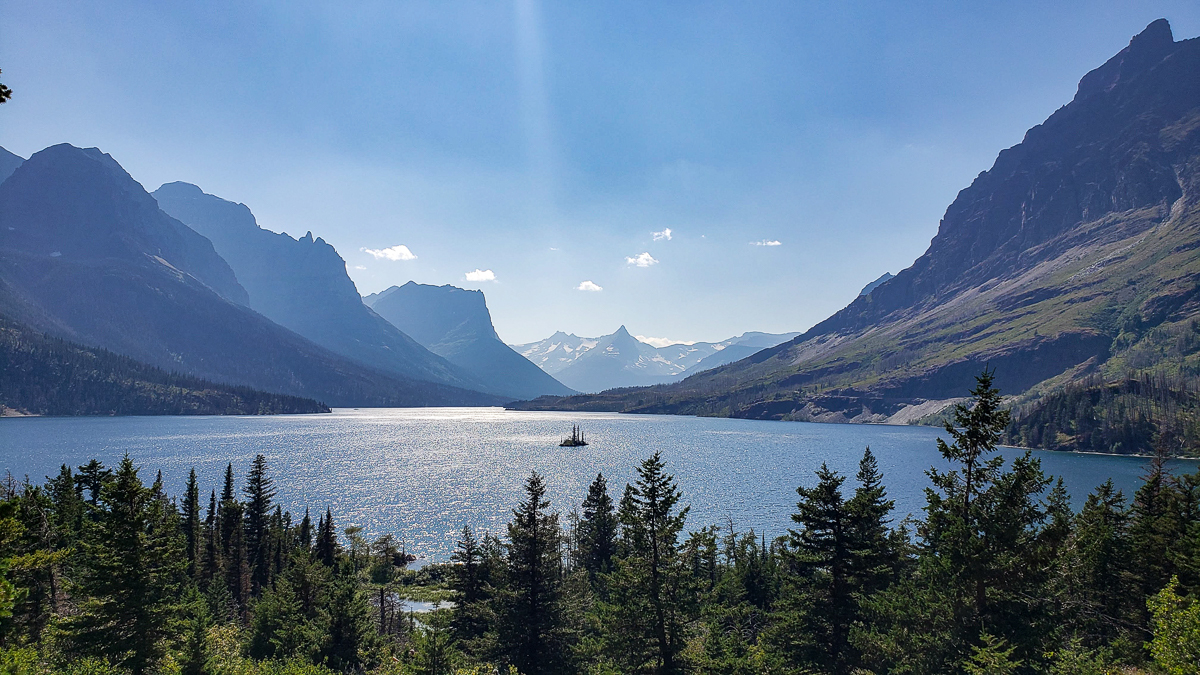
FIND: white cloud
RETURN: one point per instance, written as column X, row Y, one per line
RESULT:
column 481, row 275
column 589, row 286
column 766, row 242
column 662, row 342
column 665, row 234
column 360, row 267
column 397, row 252
column 642, row 260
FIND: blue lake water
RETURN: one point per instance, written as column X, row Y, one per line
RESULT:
column 423, row 473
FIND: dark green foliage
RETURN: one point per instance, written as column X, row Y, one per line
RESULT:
column 48, row 376
column 1135, row 415
column 95, row 566
column 530, row 621
column 327, row 548
column 259, row 491
column 597, row 530
column 130, row 574
column 192, row 532
column 648, row 606
column 5, row 94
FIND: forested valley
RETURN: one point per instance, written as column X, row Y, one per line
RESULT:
column 105, row 574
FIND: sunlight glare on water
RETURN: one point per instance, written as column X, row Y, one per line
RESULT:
column 424, row 473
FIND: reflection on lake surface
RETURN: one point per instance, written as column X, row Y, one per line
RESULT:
column 423, row 473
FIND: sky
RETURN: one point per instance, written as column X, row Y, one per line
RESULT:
column 691, row 170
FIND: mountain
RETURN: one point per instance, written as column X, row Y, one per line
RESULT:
column 8, row 163
column 48, row 376
column 887, row 276
column 1077, row 253
column 620, row 360
column 86, row 255
column 455, row 324
column 302, row 285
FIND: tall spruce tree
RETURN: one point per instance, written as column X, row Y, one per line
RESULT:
column 259, row 491
column 531, row 625
column 326, row 548
column 821, row 561
column 597, row 530
column 130, row 565
column 233, row 545
column 648, row 607
column 875, row 548
column 192, row 530
column 305, row 535
column 213, row 564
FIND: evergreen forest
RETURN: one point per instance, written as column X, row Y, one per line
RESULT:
column 43, row 375
column 106, row 574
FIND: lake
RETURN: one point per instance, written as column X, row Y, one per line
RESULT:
column 423, row 473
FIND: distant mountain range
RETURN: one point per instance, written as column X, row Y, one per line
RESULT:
column 455, row 324
column 621, row 360
column 1077, row 254
column 87, row 255
column 302, row 285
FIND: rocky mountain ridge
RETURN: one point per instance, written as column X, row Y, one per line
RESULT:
column 1077, row 252
column 87, row 255
column 455, row 324
column 621, row 360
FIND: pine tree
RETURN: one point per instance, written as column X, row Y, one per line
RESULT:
column 213, row 563
column 259, row 491
column 326, row 549
column 822, row 560
column 1101, row 586
column 191, row 526
column 1156, row 529
column 91, row 477
column 597, row 530
column 233, row 545
column 351, row 633
column 531, row 626
column 306, row 532
column 875, row 554
column 647, row 609
column 129, row 572
column 67, row 506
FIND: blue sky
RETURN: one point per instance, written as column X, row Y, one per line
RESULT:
column 547, row 143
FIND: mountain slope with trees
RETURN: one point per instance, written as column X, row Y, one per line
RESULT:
column 87, row 255
column 1078, row 252
column 42, row 375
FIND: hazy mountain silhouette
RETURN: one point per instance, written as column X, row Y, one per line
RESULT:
column 8, row 163
column 455, row 323
column 1078, row 252
column 87, row 255
column 302, row 285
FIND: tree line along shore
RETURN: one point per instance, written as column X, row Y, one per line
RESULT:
column 105, row 574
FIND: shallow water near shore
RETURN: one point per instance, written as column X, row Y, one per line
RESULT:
column 424, row 473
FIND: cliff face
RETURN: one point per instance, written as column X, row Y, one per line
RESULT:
column 87, row 255
column 302, row 284
column 1122, row 145
column 1076, row 252
column 455, row 323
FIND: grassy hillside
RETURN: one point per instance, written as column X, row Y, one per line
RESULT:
column 1077, row 255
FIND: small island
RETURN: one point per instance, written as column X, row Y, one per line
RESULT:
column 575, row 440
